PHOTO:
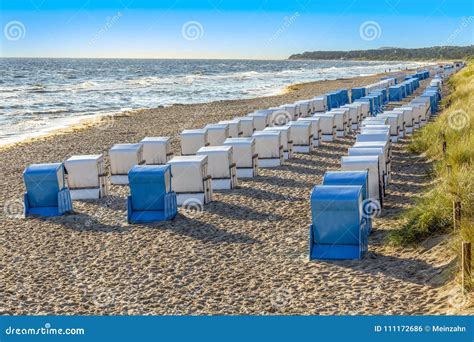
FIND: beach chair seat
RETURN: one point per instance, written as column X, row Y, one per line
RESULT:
column 315, row 129
column 86, row 176
column 285, row 140
column 122, row 158
column 217, row 134
column 339, row 229
column 269, row 148
column 245, row 156
column 353, row 178
column 328, row 126
column 247, row 125
column 221, row 166
column 156, row 150
column 151, row 197
column 46, row 190
column 235, row 129
column 191, row 179
column 374, row 151
column 372, row 164
column 192, row 140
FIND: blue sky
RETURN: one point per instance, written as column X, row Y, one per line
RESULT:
column 226, row 29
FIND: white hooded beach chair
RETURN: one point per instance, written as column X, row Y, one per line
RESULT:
column 122, row 158
column 221, row 166
column 280, row 117
column 374, row 120
column 285, row 140
column 315, row 129
column 292, row 109
column 269, row 148
column 373, row 151
column 327, row 125
column 86, row 176
column 401, row 121
column 365, row 109
column 426, row 108
column 319, row 104
column 235, row 129
column 341, row 118
column 394, row 120
column 156, row 150
column 247, row 125
column 217, row 134
column 355, row 112
column 386, row 149
column 301, row 136
column 305, row 108
column 191, row 179
column 245, row 156
column 418, row 113
column 261, row 120
column 192, row 140
column 371, row 164
column 409, row 117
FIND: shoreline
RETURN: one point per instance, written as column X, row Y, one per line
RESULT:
column 246, row 253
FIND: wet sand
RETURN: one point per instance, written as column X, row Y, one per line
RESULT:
column 245, row 254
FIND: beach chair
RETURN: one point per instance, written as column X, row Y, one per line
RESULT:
column 370, row 163
column 191, row 179
column 301, row 135
column 285, row 140
column 247, row 125
column 261, row 120
column 315, row 129
column 319, row 104
column 328, row 126
column 269, row 148
column 235, row 129
column 401, row 121
column 374, row 151
column 354, row 178
column 339, row 229
column 151, row 197
column 122, row 158
column 221, row 166
column 217, row 134
column 357, row 93
column 394, row 120
column 409, row 117
column 46, row 190
column 280, row 117
column 354, row 115
column 156, row 150
column 305, row 108
column 245, row 156
column 86, row 176
column 292, row 110
column 341, row 119
column 192, row 140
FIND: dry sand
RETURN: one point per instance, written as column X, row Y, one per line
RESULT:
column 245, row 254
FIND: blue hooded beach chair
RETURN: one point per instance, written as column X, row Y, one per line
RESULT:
column 395, row 93
column 46, row 191
column 151, row 197
column 357, row 178
column 338, row 229
column 357, row 93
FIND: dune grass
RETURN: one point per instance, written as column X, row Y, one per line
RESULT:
column 433, row 212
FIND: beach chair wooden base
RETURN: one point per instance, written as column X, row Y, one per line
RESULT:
column 409, row 129
column 246, row 172
column 119, row 179
column 401, row 134
column 84, row 194
column 316, row 143
column 355, row 126
column 327, row 137
column 269, row 162
column 301, row 148
column 394, row 138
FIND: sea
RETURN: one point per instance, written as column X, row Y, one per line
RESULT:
column 38, row 95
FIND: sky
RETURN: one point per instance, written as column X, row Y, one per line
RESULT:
column 245, row 29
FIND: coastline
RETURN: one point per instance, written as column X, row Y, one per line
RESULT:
column 249, row 244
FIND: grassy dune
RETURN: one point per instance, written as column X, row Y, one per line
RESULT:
column 433, row 213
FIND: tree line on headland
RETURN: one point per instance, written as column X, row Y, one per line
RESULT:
column 392, row 54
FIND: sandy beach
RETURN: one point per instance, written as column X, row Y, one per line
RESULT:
column 245, row 254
